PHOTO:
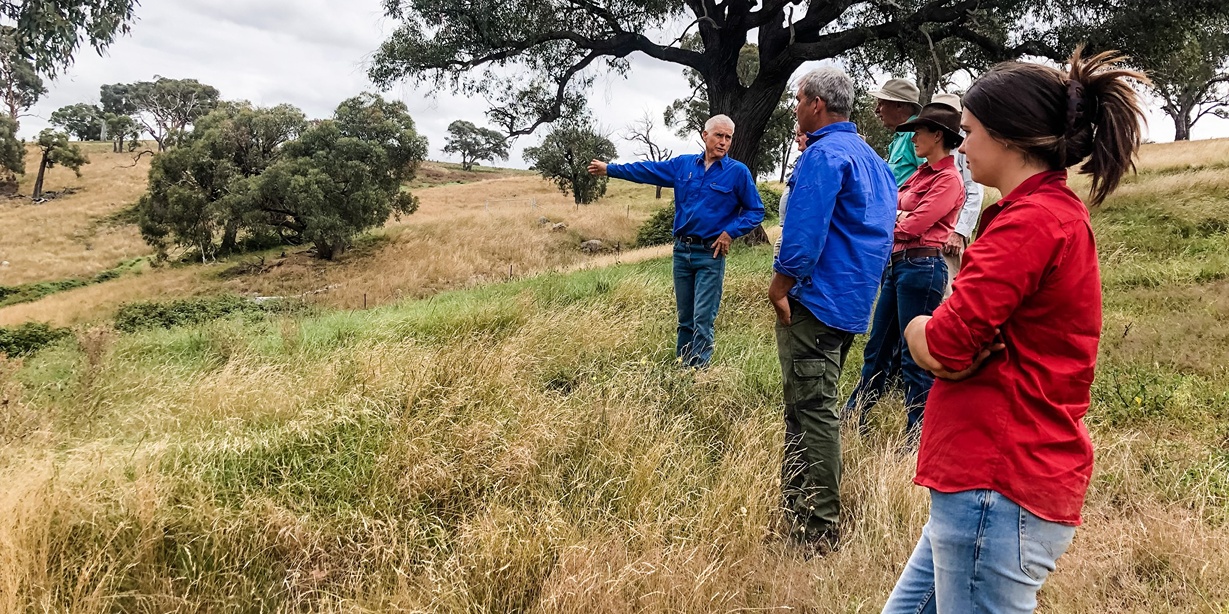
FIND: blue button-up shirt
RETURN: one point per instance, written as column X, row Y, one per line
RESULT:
column 837, row 234
column 708, row 202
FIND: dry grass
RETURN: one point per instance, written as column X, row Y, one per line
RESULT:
column 67, row 236
column 531, row 447
column 464, row 234
column 520, row 448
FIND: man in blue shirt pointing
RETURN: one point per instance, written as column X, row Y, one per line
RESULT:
column 835, row 241
column 715, row 202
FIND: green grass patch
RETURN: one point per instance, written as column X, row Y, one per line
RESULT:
column 27, row 293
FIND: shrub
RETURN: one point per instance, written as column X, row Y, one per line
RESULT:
column 28, row 338
column 771, row 195
column 658, row 229
column 185, row 312
column 137, row 316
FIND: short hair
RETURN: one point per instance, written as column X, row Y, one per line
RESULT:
column 830, row 85
column 718, row 120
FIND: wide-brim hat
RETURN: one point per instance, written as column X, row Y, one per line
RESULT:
column 951, row 100
column 898, row 90
column 935, row 116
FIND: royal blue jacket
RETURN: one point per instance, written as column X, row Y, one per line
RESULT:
column 837, row 234
column 706, row 203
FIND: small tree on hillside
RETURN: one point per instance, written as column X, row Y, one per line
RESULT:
column 83, row 121
column 56, row 151
column 20, row 84
column 564, row 155
column 642, row 132
column 473, row 143
column 118, row 108
column 123, row 131
column 343, row 176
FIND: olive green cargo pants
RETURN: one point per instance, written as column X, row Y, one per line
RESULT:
column 812, row 355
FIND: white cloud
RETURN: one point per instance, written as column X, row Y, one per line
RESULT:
column 313, row 54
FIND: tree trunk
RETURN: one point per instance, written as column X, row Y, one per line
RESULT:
column 1182, row 132
column 751, row 109
column 1180, row 113
column 658, row 192
column 785, row 156
column 751, row 115
column 42, row 171
column 927, row 77
column 328, row 251
column 230, row 237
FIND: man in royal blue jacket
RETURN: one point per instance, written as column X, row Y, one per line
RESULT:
column 835, row 241
column 715, row 202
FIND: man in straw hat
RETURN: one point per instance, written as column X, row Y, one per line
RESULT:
column 896, row 103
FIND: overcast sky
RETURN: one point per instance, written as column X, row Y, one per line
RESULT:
column 313, row 54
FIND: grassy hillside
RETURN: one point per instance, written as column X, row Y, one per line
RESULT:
column 531, row 447
column 472, row 228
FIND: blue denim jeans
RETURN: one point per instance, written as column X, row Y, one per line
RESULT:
column 911, row 287
column 979, row 552
column 698, row 278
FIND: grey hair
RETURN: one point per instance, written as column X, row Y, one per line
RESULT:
column 718, row 120
column 830, row 85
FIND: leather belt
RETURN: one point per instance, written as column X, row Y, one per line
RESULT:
column 694, row 240
column 916, row 252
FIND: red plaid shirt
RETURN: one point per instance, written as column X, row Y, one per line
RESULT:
column 1017, row 425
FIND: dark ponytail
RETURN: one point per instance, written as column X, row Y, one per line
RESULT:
column 1062, row 118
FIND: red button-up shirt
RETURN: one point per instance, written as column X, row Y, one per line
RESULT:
column 930, row 203
column 1017, row 425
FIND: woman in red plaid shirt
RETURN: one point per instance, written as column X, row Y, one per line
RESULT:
column 1004, row 449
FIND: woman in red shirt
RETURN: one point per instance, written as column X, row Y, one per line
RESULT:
column 1004, row 449
column 916, row 277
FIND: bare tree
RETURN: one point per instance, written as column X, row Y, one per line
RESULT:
column 642, row 132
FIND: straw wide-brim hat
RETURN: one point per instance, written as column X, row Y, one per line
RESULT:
column 898, row 90
column 935, row 116
column 951, row 100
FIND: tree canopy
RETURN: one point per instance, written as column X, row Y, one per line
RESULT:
column 473, row 143
column 50, row 32
column 164, row 107
column 20, row 84
column 254, row 174
column 564, row 155
column 1183, row 45
column 533, row 59
column 83, row 121
column 12, row 150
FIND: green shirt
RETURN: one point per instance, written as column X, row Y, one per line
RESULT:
column 901, row 156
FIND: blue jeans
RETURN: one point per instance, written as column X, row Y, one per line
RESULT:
column 911, row 287
column 979, row 552
column 698, row 278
